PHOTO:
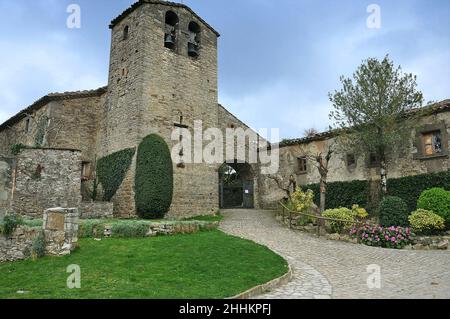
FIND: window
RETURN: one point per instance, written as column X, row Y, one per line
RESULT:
column 302, row 167
column 432, row 143
column 351, row 160
column 170, row 36
column 194, row 40
column 86, row 171
column 27, row 125
column 126, row 32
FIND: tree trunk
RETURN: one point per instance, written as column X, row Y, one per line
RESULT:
column 383, row 173
column 323, row 193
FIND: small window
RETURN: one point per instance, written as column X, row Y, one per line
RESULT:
column 302, row 167
column 432, row 143
column 27, row 125
column 194, row 40
column 126, row 32
column 170, row 36
column 86, row 171
column 351, row 160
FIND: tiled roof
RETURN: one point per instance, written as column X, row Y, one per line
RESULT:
column 50, row 98
column 136, row 5
column 434, row 108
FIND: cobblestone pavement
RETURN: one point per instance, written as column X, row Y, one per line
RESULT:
column 331, row 269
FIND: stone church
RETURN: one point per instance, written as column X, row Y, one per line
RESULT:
column 162, row 75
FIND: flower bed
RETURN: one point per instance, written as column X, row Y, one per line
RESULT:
column 377, row 236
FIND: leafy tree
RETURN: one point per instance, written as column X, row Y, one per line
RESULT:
column 373, row 109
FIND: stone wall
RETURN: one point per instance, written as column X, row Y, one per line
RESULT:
column 46, row 178
column 6, row 183
column 60, row 230
column 18, row 245
column 96, row 210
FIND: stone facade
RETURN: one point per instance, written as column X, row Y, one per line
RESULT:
column 414, row 162
column 96, row 210
column 6, row 183
column 46, row 178
column 60, row 230
column 18, row 245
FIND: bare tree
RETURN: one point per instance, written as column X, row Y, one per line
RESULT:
column 321, row 160
column 310, row 132
column 287, row 186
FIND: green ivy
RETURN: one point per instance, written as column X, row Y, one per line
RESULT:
column 17, row 148
column 154, row 178
column 112, row 169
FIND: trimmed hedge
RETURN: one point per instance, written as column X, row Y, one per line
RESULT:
column 409, row 188
column 436, row 200
column 342, row 194
column 345, row 194
column 112, row 169
column 393, row 212
column 154, row 178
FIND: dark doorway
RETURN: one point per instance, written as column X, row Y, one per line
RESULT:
column 236, row 186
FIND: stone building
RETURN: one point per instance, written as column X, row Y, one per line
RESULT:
column 162, row 75
column 429, row 149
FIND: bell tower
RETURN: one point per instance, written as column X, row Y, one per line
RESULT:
column 163, row 69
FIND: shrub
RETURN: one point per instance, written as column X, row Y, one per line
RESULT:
column 154, row 178
column 359, row 212
column 301, row 201
column 38, row 248
column 436, row 200
column 91, row 229
column 10, row 223
column 377, row 236
column 111, row 171
column 339, row 213
column 129, row 230
column 426, row 222
column 393, row 212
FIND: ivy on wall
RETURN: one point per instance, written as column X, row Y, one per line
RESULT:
column 154, row 178
column 345, row 194
column 112, row 169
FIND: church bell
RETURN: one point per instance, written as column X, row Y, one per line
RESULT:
column 169, row 41
column 192, row 49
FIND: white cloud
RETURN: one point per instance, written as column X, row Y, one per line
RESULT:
column 41, row 66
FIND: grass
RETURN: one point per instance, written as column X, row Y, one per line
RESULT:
column 202, row 265
column 207, row 218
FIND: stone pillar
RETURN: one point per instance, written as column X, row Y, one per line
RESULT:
column 61, row 230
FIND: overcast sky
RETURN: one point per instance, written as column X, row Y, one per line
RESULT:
column 278, row 59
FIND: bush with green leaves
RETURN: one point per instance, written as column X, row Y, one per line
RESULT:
column 38, row 248
column 10, row 223
column 393, row 212
column 342, row 213
column 154, row 178
column 426, row 222
column 301, row 201
column 129, row 230
column 436, row 200
column 111, row 171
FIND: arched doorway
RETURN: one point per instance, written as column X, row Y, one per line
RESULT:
column 236, row 186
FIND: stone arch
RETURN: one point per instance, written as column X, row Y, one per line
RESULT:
column 170, row 36
column 236, row 185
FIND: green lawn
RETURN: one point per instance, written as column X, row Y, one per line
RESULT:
column 202, row 265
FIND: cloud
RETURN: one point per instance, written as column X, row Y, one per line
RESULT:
column 35, row 68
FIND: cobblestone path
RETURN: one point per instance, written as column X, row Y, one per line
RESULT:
column 331, row 269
